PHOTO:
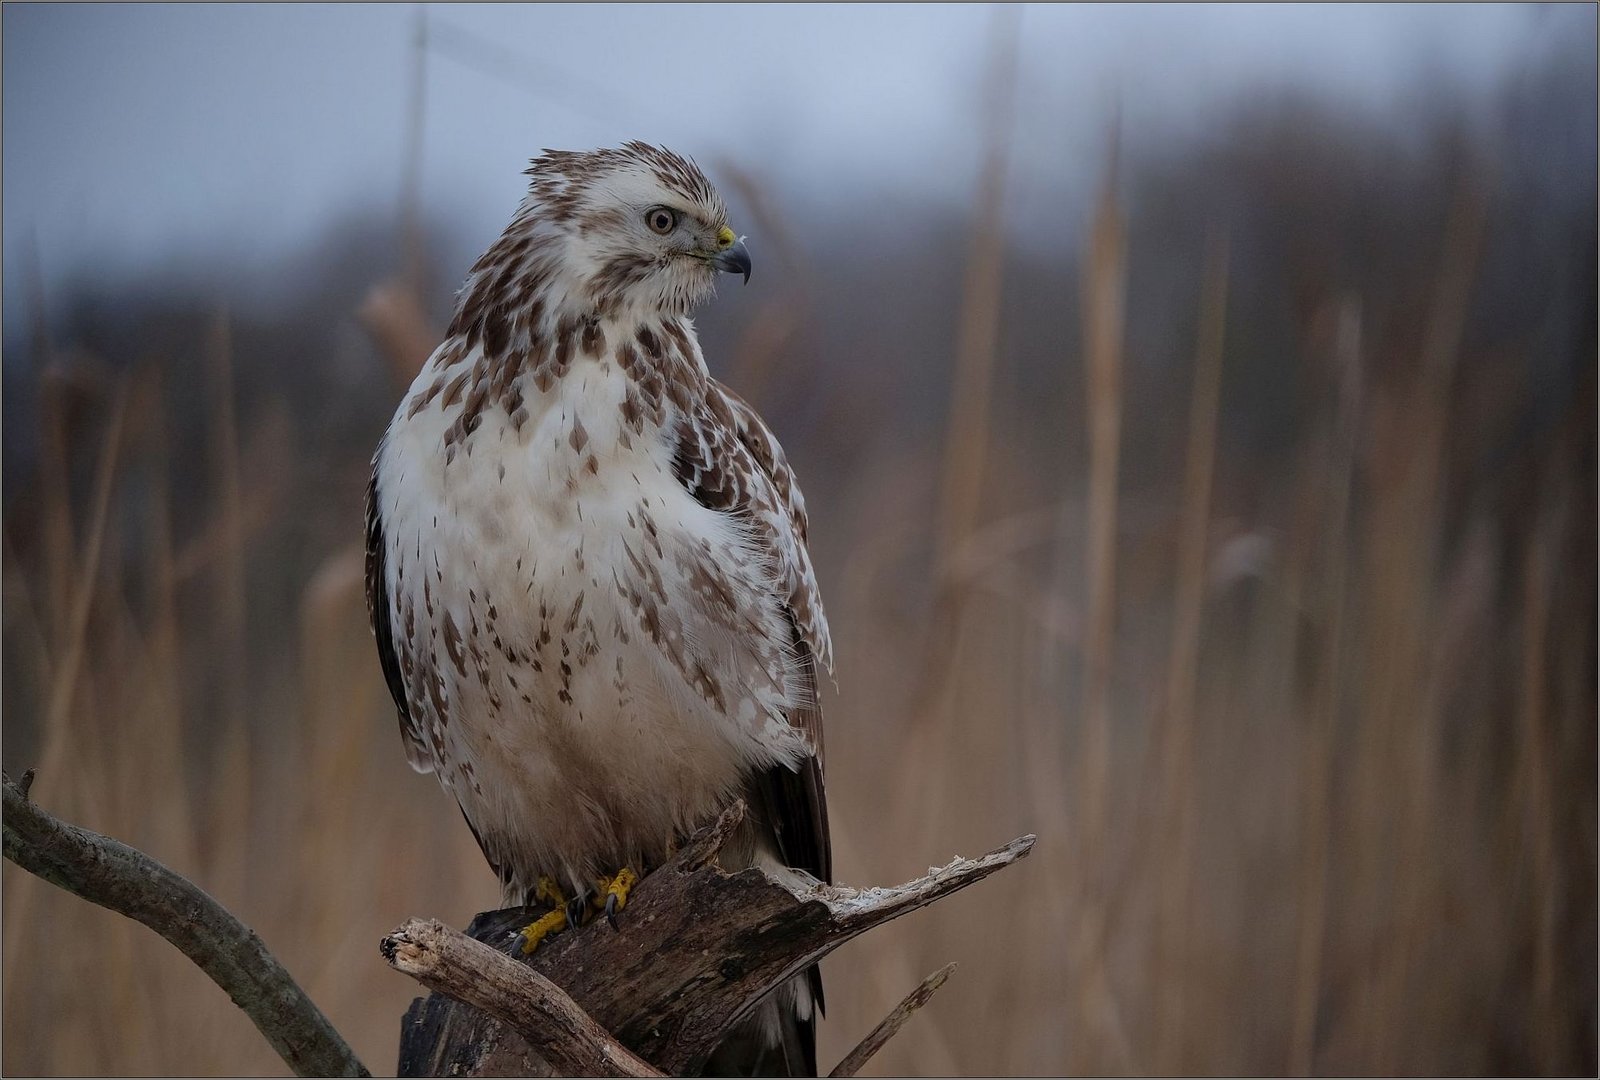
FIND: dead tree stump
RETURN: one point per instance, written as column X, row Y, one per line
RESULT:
column 699, row 948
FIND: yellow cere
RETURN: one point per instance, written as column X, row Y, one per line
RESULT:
column 725, row 237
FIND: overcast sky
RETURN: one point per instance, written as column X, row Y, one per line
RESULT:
column 141, row 139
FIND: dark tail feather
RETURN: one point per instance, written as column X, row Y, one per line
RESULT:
column 799, row 1046
column 746, row 1052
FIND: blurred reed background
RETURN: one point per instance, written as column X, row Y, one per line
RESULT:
column 1243, row 549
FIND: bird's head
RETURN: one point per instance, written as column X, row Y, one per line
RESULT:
column 636, row 229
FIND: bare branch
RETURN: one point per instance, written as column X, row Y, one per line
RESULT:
column 699, row 949
column 112, row 874
column 891, row 1024
column 448, row 961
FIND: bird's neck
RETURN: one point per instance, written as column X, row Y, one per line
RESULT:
column 520, row 329
column 523, row 298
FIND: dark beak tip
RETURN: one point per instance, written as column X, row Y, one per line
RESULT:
column 735, row 260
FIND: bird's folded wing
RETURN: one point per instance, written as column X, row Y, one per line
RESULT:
column 729, row 461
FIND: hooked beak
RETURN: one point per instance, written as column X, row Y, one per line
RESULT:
column 733, row 260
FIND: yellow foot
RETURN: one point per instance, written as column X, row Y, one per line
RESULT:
column 546, row 924
column 548, row 892
column 564, row 913
column 611, row 894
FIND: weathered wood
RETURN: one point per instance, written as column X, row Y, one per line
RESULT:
column 879, row 1036
column 112, row 874
column 698, row 949
column 447, row 961
column 444, row 1037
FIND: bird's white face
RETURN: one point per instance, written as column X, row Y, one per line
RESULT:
column 643, row 232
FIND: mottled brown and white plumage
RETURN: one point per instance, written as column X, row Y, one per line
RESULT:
column 586, row 559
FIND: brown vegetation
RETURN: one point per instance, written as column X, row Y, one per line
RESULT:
column 1310, row 750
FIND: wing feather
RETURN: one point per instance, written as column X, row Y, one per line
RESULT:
column 379, row 614
column 729, row 461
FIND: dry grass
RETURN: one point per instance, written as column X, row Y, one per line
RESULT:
column 1315, row 793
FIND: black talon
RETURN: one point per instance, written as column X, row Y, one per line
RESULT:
column 576, row 909
column 611, row 910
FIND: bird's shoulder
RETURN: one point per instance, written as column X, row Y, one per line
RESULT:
column 728, row 458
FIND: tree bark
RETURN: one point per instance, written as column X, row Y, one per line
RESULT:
column 448, row 962
column 698, row 949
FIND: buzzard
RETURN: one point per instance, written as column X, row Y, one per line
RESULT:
column 587, row 570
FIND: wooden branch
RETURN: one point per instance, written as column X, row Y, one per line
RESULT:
column 451, row 963
column 112, row 874
column 698, row 949
column 891, row 1024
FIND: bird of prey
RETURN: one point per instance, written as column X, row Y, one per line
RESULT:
column 587, row 569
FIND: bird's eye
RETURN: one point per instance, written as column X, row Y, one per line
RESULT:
column 661, row 220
